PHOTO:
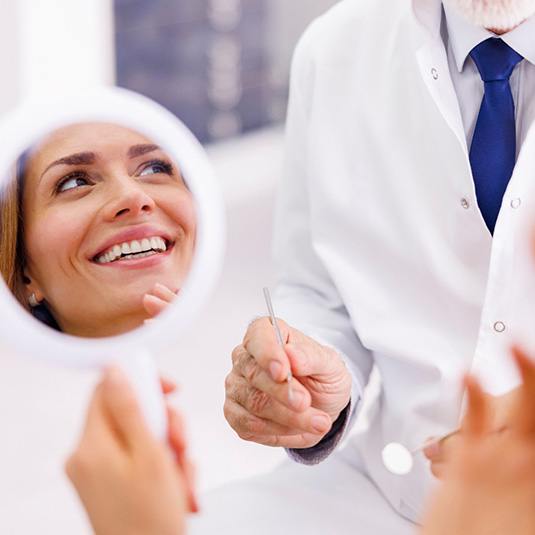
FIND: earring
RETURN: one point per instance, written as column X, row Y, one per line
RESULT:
column 32, row 300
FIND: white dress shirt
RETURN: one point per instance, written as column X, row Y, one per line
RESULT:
column 380, row 246
column 461, row 37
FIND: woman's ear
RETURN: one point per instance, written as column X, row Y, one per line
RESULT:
column 33, row 292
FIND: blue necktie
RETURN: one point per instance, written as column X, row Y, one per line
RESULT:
column 493, row 150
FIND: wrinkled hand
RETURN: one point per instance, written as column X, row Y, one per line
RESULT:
column 489, row 486
column 258, row 403
column 501, row 410
column 158, row 299
column 128, row 481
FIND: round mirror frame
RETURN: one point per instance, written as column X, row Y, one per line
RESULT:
column 21, row 128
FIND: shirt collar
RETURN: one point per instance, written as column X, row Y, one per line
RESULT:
column 428, row 13
column 521, row 39
column 464, row 36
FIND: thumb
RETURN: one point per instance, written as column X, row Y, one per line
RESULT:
column 123, row 410
column 477, row 418
column 178, row 444
column 311, row 359
column 260, row 341
column 432, row 449
column 523, row 417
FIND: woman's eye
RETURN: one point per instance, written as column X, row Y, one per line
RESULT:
column 72, row 183
column 154, row 168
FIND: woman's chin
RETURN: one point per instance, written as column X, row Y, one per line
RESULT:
column 118, row 307
column 136, row 281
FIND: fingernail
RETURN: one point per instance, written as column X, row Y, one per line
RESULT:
column 432, row 450
column 275, row 369
column 321, row 423
column 297, row 399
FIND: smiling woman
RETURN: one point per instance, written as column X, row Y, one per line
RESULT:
column 97, row 230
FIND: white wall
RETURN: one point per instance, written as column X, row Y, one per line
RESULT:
column 46, row 44
column 287, row 21
column 9, row 58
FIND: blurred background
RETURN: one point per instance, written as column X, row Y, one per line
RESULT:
column 222, row 66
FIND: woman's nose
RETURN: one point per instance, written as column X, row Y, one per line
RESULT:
column 128, row 200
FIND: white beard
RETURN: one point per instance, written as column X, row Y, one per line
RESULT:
column 502, row 15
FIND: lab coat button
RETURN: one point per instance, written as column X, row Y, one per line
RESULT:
column 465, row 204
column 434, row 73
column 515, row 203
column 499, row 327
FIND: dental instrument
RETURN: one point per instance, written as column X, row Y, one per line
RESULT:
column 399, row 460
column 278, row 334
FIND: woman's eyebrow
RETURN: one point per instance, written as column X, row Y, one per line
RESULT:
column 80, row 158
column 138, row 150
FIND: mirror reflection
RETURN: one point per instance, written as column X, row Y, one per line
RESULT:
column 97, row 230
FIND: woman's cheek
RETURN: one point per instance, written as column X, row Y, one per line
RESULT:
column 55, row 240
column 182, row 212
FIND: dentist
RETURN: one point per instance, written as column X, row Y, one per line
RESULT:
column 397, row 240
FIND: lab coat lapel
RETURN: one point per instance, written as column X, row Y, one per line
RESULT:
column 433, row 65
column 434, row 70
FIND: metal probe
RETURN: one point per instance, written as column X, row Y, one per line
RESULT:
column 269, row 305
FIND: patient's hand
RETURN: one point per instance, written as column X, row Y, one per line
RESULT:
column 489, row 485
column 158, row 299
column 128, row 481
column 501, row 410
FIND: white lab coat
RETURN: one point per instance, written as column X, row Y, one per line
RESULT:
column 378, row 231
column 381, row 249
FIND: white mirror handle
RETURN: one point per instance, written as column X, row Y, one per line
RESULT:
column 143, row 376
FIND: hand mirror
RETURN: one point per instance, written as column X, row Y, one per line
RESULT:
column 111, row 233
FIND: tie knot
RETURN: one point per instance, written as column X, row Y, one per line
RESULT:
column 495, row 59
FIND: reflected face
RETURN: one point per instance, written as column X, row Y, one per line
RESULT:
column 107, row 216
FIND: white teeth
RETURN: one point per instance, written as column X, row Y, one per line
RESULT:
column 134, row 249
column 143, row 255
column 158, row 243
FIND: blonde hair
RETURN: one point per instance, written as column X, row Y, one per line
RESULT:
column 12, row 256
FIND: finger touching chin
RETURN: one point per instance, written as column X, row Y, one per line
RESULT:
column 153, row 305
column 433, row 451
column 438, row 469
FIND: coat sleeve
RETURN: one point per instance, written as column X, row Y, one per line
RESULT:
column 305, row 295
